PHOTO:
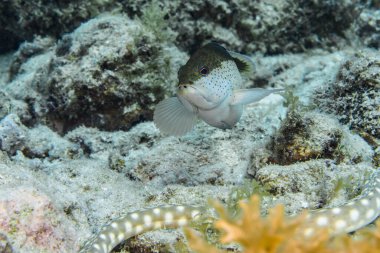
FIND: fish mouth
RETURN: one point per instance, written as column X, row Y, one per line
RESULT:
column 184, row 89
column 196, row 96
column 189, row 89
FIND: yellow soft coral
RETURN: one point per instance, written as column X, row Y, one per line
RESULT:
column 268, row 233
column 277, row 233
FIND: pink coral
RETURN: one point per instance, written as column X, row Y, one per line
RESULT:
column 33, row 224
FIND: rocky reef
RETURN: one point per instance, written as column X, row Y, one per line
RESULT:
column 79, row 81
column 355, row 94
column 93, row 80
column 269, row 27
column 22, row 20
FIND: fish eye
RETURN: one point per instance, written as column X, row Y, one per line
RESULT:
column 203, row 71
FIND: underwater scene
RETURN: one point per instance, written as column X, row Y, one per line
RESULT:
column 199, row 126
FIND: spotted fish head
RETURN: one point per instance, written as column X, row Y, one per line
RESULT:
column 208, row 77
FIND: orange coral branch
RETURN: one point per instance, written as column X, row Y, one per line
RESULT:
column 277, row 233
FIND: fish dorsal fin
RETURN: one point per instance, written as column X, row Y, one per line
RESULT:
column 243, row 62
column 173, row 118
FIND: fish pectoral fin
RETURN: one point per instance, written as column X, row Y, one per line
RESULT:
column 248, row 96
column 243, row 62
column 172, row 117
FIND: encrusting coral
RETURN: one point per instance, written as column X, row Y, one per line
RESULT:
column 277, row 233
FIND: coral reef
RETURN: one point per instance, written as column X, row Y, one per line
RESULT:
column 20, row 87
column 27, row 50
column 355, row 94
column 17, row 107
column 76, row 103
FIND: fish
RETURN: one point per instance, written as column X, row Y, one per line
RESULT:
column 208, row 90
column 138, row 222
column 346, row 218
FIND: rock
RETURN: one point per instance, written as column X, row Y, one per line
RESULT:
column 10, row 105
column 355, row 94
column 20, row 21
column 368, row 27
column 42, row 142
column 312, row 135
column 92, row 80
column 26, row 78
column 113, row 84
column 314, row 184
column 12, row 134
column 269, row 27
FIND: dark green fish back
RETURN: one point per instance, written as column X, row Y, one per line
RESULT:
column 210, row 56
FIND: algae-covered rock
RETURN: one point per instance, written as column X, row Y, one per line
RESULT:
column 312, row 135
column 314, row 184
column 27, row 50
column 355, row 94
column 305, row 137
column 265, row 26
column 26, row 77
column 109, row 73
column 42, row 142
column 9, row 105
column 13, row 134
column 312, row 158
column 22, row 20
column 368, row 26
column 38, row 142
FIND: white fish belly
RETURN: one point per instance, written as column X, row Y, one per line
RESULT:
column 223, row 116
